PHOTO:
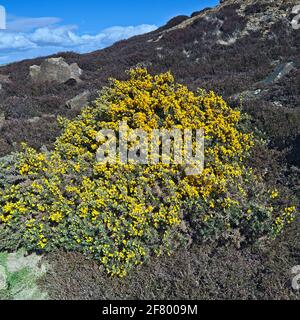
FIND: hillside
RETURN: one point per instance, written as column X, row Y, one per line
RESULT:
column 232, row 49
column 246, row 51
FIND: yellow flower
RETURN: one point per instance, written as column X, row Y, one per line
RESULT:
column 274, row 194
column 56, row 217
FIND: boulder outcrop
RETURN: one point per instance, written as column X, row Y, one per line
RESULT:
column 55, row 69
column 79, row 101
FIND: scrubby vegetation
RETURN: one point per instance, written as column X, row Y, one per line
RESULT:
column 121, row 215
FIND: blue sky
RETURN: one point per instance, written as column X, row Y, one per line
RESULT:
column 36, row 28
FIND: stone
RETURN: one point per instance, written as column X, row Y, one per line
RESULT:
column 4, row 79
column 280, row 71
column 30, row 294
column 34, row 72
column 2, row 120
column 44, row 149
column 19, row 274
column 3, row 278
column 79, row 101
column 34, row 119
column 18, row 261
column 55, row 69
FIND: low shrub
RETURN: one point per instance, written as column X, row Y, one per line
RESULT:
column 121, row 214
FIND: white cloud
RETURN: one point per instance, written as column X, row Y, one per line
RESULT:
column 15, row 24
column 15, row 41
column 45, row 37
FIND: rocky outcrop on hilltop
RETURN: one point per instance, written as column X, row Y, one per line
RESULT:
column 55, row 69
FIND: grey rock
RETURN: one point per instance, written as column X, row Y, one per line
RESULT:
column 35, row 72
column 3, row 279
column 280, row 71
column 55, row 69
column 44, row 149
column 34, row 119
column 2, row 120
column 18, row 261
column 29, row 294
column 4, row 79
column 79, row 101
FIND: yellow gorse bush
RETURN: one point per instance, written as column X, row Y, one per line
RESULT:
column 120, row 214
